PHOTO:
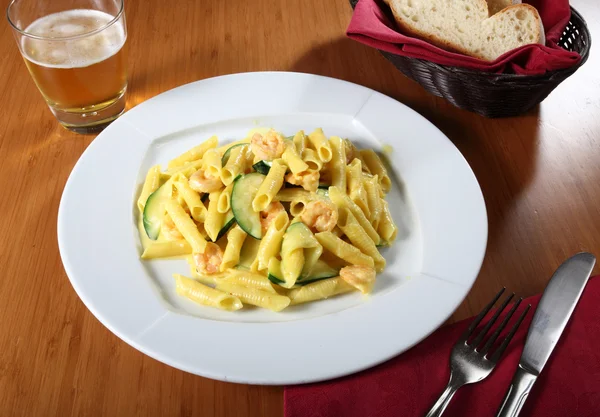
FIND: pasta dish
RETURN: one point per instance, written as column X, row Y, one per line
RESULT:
column 269, row 221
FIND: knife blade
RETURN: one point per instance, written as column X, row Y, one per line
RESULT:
column 551, row 316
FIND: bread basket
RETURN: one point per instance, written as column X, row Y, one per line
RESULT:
column 490, row 94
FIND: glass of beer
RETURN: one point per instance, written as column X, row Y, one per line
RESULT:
column 75, row 51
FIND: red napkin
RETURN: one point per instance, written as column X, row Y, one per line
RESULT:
column 408, row 385
column 371, row 24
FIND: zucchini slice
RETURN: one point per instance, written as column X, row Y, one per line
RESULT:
column 229, row 221
column 244, row 191
column 262, row 167
column 319, row 271
column 154, row 210
column 228, row 152
column 274, row 274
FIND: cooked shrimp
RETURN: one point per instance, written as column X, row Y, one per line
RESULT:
column 169, row 230
column 359, row 276
column 203, row 182
column 267, row 147
column 209, row 261
column 309, row 180
column 269, row 214
column 319, row 216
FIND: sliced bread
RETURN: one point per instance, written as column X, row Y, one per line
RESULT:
column 465, row 26
column 496, row 5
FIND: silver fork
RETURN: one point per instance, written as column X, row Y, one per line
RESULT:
column 468, row 364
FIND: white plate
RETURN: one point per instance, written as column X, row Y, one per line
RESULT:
column 436, row 201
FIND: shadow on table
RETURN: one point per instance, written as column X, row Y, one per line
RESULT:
column 501, row 152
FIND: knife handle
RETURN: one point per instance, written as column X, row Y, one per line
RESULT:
column 517, row 393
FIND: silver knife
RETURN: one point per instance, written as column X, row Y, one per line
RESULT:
column 551, row 316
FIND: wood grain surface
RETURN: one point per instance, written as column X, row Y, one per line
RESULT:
column 540, row 175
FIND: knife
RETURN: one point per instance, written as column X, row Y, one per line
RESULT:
column 551, row 316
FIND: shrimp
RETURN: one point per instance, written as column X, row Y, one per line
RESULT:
column 169, row 230
column 203, row 182
column 319, row 216
column 269, row 214
column 267, row 147
column 210, row 260
column 359, row 276
column 309, row 180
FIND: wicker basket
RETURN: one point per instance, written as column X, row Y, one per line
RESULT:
column 494, row 95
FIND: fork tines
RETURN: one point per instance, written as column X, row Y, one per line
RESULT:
column 476, row 342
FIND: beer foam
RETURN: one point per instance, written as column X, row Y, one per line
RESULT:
column 73, row 53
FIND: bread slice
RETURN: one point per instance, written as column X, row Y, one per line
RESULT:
column 495, row 6
column 465, row 26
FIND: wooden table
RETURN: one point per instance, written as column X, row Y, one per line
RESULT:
column 540, row 175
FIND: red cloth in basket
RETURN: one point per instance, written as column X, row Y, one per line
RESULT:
column 372, row 26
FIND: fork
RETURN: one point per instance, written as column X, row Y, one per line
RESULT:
column 468, row 362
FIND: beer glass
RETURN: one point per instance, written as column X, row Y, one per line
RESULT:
column 75, row 51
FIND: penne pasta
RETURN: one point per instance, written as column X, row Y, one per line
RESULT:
column 292, row 194
column 235, row 240
column 351, row 151
column 270, row 244
column 236, row 164
column 255, row 297
column 270, row 186
column 211, row 161
column 300, row 250
column 166, row 249
column 320, row 290
column 300, row 141
column 365, row 168
column 312, row 160
column 387, row 228
column 355, row 188
column 224, row 202
column 191, row 199
column 320, row 144
column 358, row 237
column 371, row 185
column 151, row 184
column 343, row 250
column 342, row 200
column 205, row 295
column 297, row 207
column 214, row 219
column 248, row 279
column 292, row 159
column 292, row 263
column 376, row 167
column 248, row 253
column 337, row 165
column 194, row 154
column 186, row 170
column 337, row 231
column 186, row 226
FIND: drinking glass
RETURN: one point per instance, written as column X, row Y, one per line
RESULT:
column 75, row 51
